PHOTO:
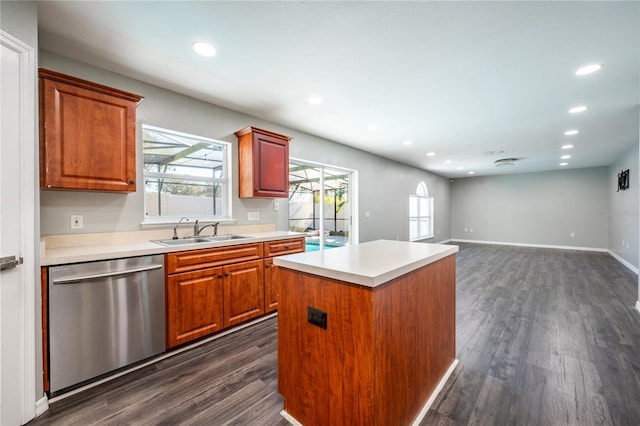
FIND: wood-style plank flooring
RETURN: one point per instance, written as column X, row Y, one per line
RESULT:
column 544, row 337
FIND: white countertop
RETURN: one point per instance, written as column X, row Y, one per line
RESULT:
column 88, row 253
column 369, row 264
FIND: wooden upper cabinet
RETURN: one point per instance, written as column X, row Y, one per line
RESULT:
column 87, row 135
column 263, row 163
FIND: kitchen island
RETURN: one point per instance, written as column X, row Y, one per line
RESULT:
column 366, row 333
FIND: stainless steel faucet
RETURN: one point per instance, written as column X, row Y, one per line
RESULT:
column 175, row 228
column 197, row 230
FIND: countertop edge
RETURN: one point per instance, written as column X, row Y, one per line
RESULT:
column 68, row 255
column 361, row 279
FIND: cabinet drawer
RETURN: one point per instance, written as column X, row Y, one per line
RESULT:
column 280, row 247
column 206, row 258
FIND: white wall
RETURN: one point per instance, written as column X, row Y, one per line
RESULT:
column 533, row 208
column 622, row 211
column 384, row 185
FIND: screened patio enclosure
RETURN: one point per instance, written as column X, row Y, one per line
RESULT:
column 319, row 204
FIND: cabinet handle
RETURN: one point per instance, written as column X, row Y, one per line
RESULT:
column 226, row 274
column 219, row 275
column 132, row 181
column 286, row 247
column 266, row 266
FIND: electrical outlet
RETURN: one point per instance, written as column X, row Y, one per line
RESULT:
column 367, row 213
column 572, row 235
column 470, row 229
column 76, row 221
column 466, row 229
column 276, row 205
column 253, row 216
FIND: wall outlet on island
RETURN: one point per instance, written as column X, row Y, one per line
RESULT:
column 253, row 216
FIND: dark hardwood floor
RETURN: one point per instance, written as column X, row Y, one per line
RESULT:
column 544, row 337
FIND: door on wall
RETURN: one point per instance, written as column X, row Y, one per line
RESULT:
column 17, row 118
column 321, row 204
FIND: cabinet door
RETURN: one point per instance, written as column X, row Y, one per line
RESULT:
column 243, row 292
column 194, row 305
column 271, row 170
column 263, row 163
column 88, row 139
column 270, row 287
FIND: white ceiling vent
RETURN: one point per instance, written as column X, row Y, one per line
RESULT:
column 506, row 162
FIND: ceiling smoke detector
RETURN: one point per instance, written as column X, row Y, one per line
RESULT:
column 506, row 162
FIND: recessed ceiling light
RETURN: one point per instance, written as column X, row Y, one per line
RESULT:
column 571, row 132
column 204, row 49
column 372, row 127
column 569, row 146
column 430, row 154
column 460, row 168
column 471, row 172
column 577, row 109
column 564, row 164
column 447, row 162
column 565, row 157
column 407, row 142
column 315, row 100
column 588, row 69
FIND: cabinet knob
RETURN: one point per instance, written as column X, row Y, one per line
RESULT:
column 226, row 274
column 266, row 266
column 132, row 181
column 219, row 275
column 286, row 247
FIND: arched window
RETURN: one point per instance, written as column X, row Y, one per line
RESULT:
column 420, row 214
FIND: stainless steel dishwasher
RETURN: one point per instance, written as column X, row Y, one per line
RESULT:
column 102, row 316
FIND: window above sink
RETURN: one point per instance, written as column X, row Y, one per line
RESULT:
column 185, row 175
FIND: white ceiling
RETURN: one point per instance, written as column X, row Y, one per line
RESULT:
column 457, row 78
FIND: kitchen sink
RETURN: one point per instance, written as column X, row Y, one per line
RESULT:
column 197, row 240
column 225, row 237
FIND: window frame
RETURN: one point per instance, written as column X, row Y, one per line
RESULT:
column 422, row 193
column 226, row 180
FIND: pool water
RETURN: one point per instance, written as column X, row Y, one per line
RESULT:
column 314, row 246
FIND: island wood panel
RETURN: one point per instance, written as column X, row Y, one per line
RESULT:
column 325, row 376
column 383, row 353
column 194, row 305
column 206, row 258
column 414, row 329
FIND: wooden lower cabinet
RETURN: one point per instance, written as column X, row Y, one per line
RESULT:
column 270, row 286
column 243, row 292
column 194, row 305
column 212, row 289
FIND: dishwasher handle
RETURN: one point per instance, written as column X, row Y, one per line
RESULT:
column 105, row 274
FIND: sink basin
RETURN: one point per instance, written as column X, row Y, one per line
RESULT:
column 224, row 237
column 197, row 240
column 182, row 241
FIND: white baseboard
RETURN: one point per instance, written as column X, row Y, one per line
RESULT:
column 434, row 394
column 42, row 405
column 624, row 262
column 288, row 417
column 550, row 246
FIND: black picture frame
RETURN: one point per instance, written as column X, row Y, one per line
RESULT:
column 623, row 180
